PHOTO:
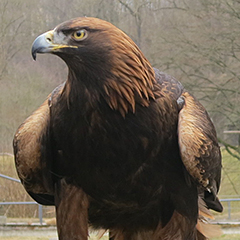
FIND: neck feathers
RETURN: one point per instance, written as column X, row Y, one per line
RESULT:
column 127, row 80
column 133, row 79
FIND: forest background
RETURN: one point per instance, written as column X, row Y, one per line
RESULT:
column 197, row 42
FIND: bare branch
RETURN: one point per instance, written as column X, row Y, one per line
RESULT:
column 128, row 7
column 232, row 150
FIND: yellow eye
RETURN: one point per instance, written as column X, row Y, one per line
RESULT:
column 79, row 35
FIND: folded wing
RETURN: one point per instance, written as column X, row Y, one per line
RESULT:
column 199, row 148
column 32, row 152
column 197, row 138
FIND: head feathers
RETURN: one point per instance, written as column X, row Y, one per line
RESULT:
column 119, row 70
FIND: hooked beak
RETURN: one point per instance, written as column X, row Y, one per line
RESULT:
column 45, row 44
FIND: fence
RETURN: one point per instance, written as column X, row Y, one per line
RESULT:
column 40, row 209
column 229, row 208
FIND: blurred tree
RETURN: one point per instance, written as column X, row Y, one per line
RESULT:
column 201, row 48
column 195, row 41
column 9, row 31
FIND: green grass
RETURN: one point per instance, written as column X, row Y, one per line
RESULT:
column 13, row 191
column 228, row 237
column 230, row 185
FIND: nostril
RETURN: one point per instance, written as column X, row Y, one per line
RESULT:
column 49, row 39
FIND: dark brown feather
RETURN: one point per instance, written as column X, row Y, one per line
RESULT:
column 109, row 142
column 27, row 149
column 31, row 157
column 70, row 201
column 199, row 148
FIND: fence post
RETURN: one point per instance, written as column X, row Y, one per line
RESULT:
column 40, row 214
column 229, row 209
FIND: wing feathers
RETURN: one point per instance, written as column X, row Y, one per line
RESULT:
column 198, row 143
column 31, row 154
column 27, row 149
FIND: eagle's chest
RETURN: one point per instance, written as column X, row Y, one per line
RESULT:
column 107, row 154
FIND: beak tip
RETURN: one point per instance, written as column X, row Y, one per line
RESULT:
column 41, row 45
column 34, row 56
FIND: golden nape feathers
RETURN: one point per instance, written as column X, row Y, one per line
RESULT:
column 120, row 145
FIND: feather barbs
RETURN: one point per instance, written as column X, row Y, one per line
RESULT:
column 133, row 78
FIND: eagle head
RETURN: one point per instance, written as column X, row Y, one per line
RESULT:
column 81, row 42
column 104, row 58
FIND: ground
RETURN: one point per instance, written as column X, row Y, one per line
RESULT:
column 224, row 237
column 50, row 234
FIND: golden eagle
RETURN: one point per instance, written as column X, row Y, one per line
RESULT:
column 119, row 145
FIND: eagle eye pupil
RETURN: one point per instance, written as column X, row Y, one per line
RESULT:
column 79, row 35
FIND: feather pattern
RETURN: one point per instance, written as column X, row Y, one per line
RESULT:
column 120, row 145
column 132, row 75
column 198, row 144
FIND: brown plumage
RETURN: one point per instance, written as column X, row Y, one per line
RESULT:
column 119, row 145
